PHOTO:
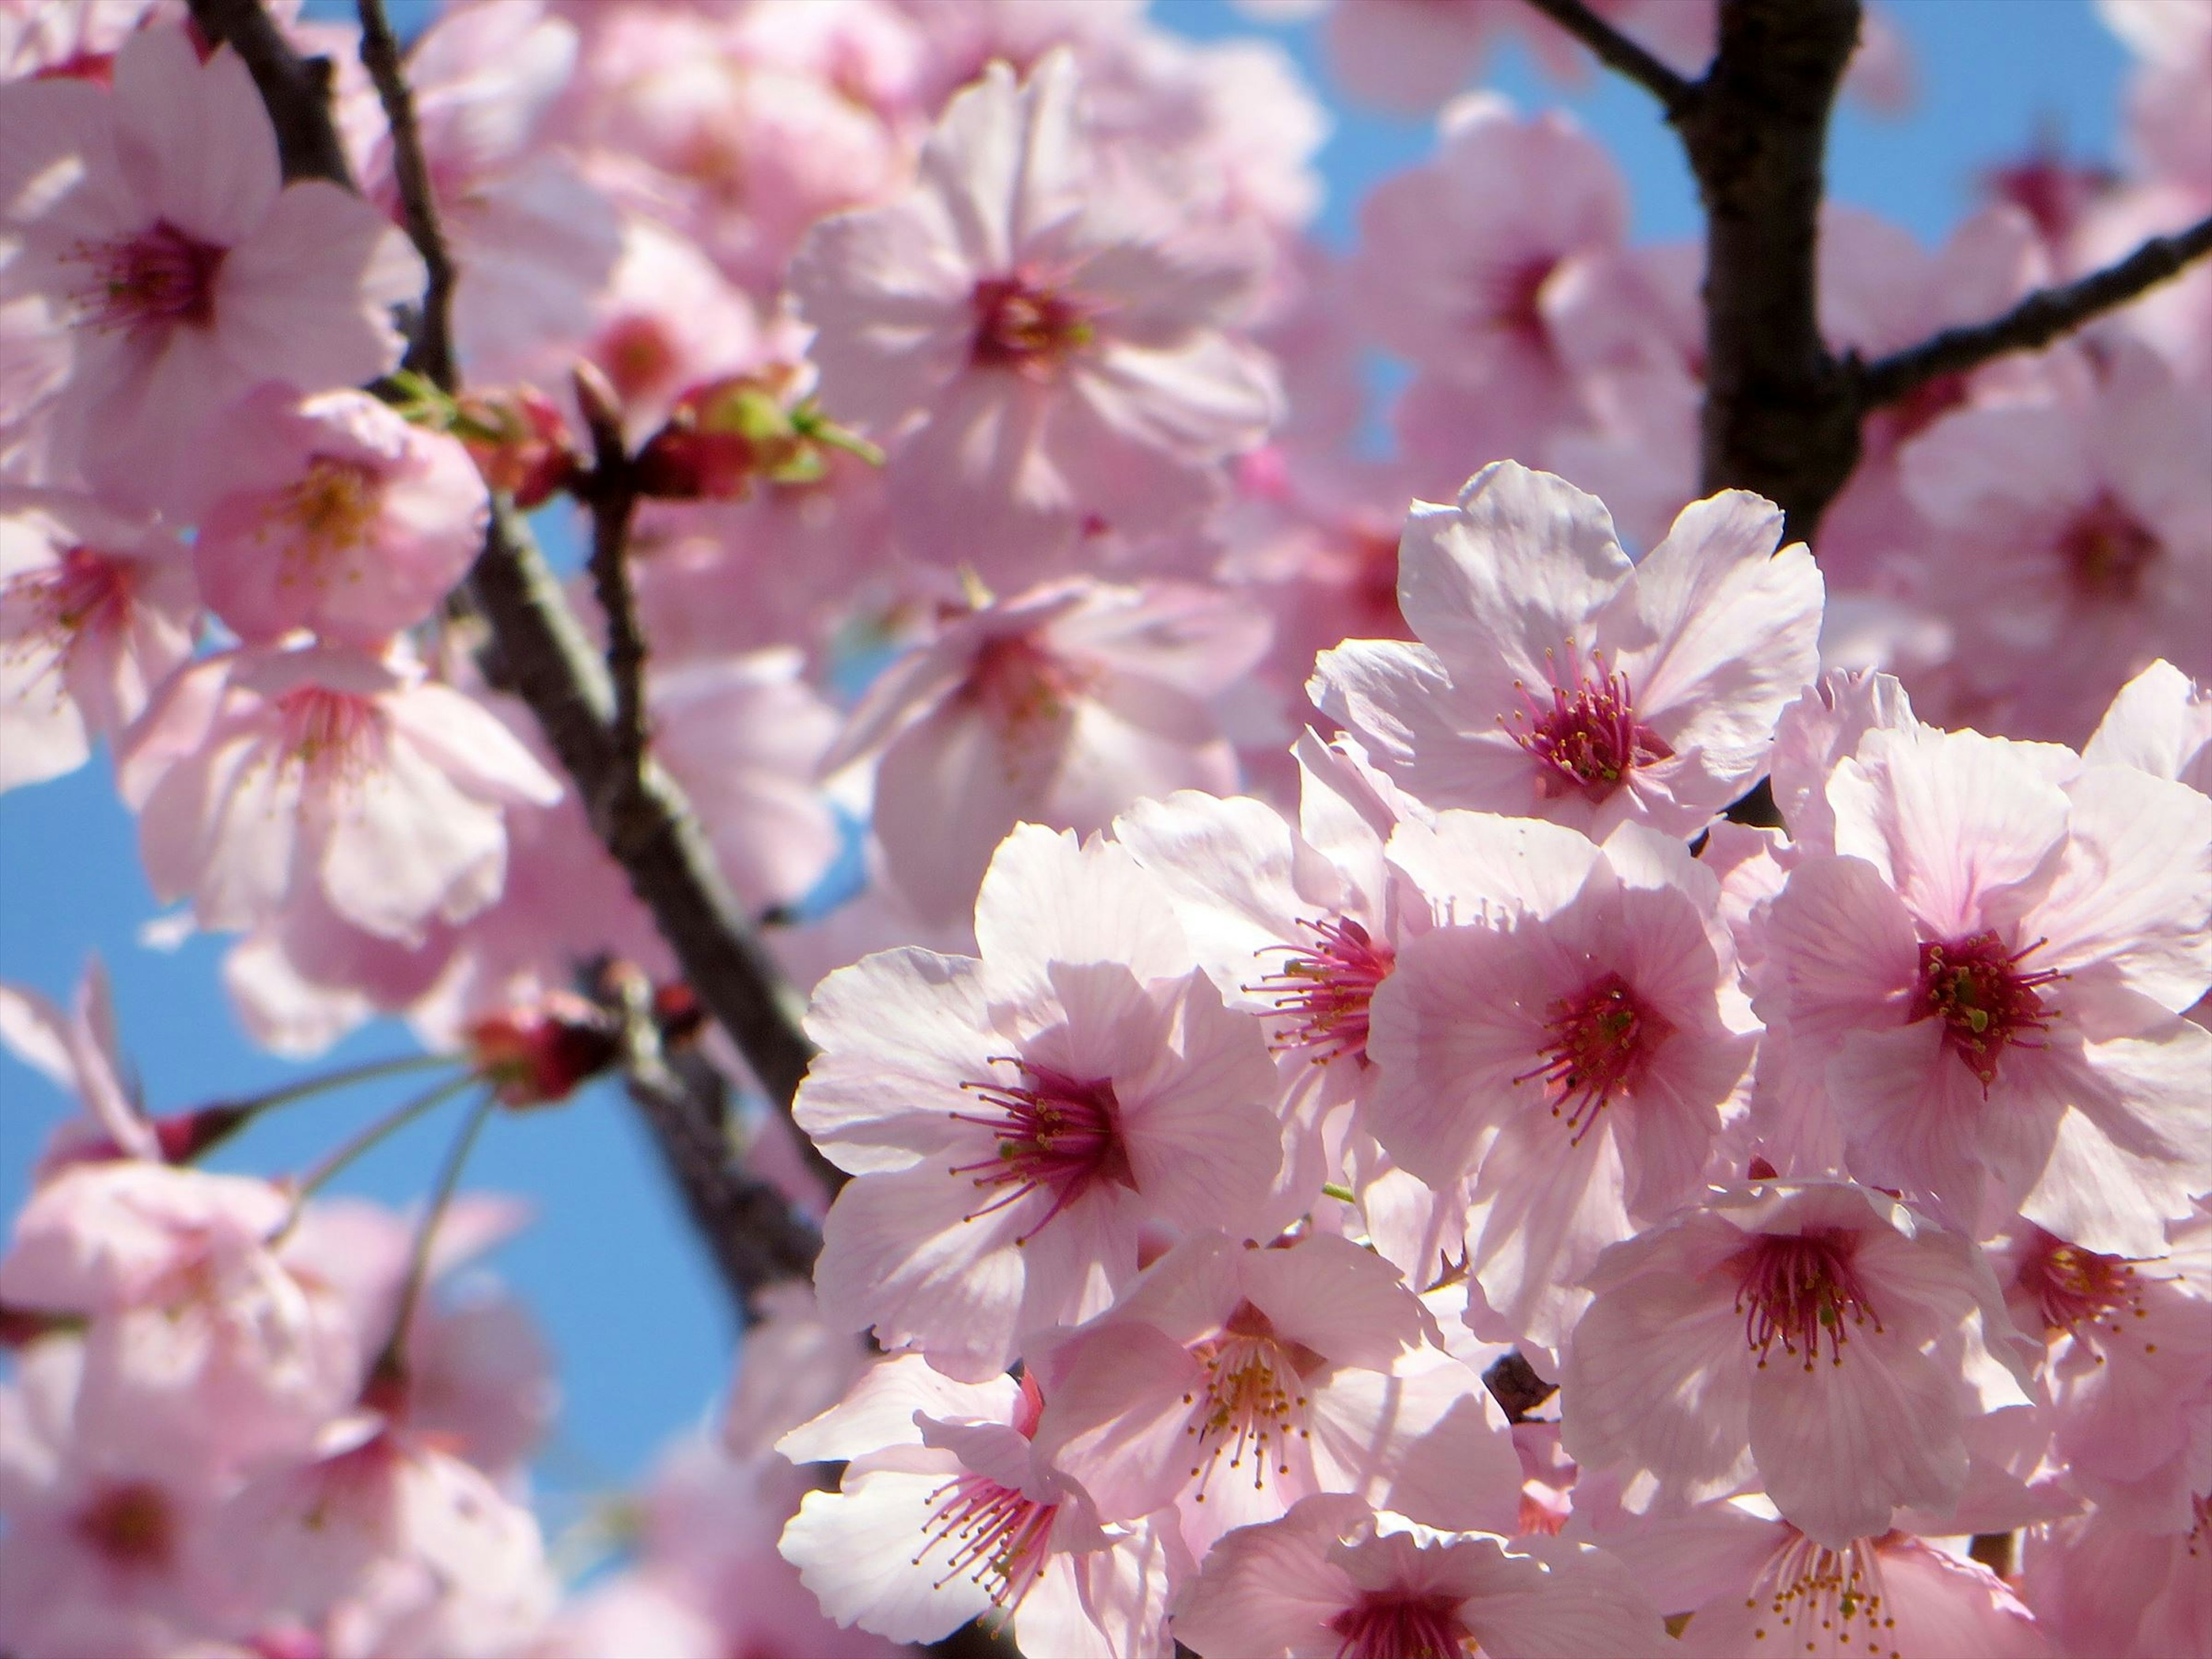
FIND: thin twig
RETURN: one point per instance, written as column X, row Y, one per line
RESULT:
column 2036, row 321
column 390, row 1359
column 296, row 90
column 431, row 352
column 1676, row 92
column 611, row 494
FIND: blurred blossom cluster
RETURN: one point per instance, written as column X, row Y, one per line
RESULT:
column 1350, row 1152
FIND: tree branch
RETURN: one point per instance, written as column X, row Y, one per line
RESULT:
column 431, row 353
column 295, row 89
column 1779, row 413
column 1676, row 92
column 611, row 491
column 2036, row 321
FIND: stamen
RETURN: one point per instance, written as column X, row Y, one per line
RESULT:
column 1601, row 1039
column 993, row 1535
column 1386, row 1626
column 1822, row 1597
column 1022, row 326
column 159, row 276
column 1588, row 740
column 1985, row 997
column 1327, row 988
column 1252, row 1400
column 1796, row 1288
column 1055, row 1134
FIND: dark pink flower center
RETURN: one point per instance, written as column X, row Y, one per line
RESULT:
column 1601, row 1039
column 331, row 735
column 161, row 276
column 129, row 1524
column 1326, row 989
column 989, row 1534
column 1588, row 740
column 2107, row 550
column 1056, row 1135
column 1252, row 1404
column 2073, row 1286
column 1511, row 297
column 1024, row 688
column 1797, row 1289
column 1023, row 326
column 327, row 511
column 1985, row 997
column 83, row 592
column 1824, row 1596
column 1381, row 1625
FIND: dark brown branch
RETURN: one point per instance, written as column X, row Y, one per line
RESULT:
column 1675, row 93
column 2036, row 321
column 431, row 353
column 610, row 492
column 1780, row 415
column 295, row 89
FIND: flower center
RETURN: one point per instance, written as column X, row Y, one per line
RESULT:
column 1025, row 688
column 328, row 511
column 1251, row 1400
column 2107, row 550
column 2071, row 1285
column 1984, row 997
column 1055, row 1135
column 1822, row 1594
column 1601, row 1039
column 990, row 1534
column 131, row 1524
column 1326, row 987
column 84, row 592
column 157, row 277
column 1511, row 297
column 638, row 356
column 1025, row 327
column 1589, row 739
column 1381, row 1625
column 331, row 734
column 1796, row 1288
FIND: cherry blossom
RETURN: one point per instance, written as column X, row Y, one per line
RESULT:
column 1060, row 706
column 96, row 609
column 335, row 514
column 1556, row 679
column 1984, row 984
column 1035, row 364
column 1335, row 1578
column 78, row 1052
column 1015, row 1124
column 1568, row 1042
column 188, row 270
column 1816, row 1336
column 263, row 773
column 962, row 1516
column 1232, row 1380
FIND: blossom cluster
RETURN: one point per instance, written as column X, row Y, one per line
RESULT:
column 1462, row 1051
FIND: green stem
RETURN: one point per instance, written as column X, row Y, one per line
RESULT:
column 368, row 1137
column 345, row 1078
column 1342, row 1195
column 390, row 1361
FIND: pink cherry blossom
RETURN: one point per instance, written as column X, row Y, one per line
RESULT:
column 947, row 1509
column 1015, row 1124
column 1555, row 680
column 78, row 1053
column 2102, row 1587
column 1036, row 361
column 2073, row 538
column 1461, row 265
column 1568, row 1044
column 1230, row 1382
column 744, row 736
column 1335, row 1579
column 1817, row 1335
column 379, row 1542
column 333, row 513
column 1984, row 984
column 262, row 772
column 96, row 609
column 1061, row 707
column 193, row 1321
column 190, row 273
column 2160, row 723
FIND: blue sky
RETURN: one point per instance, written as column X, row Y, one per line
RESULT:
column 640, row 1326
